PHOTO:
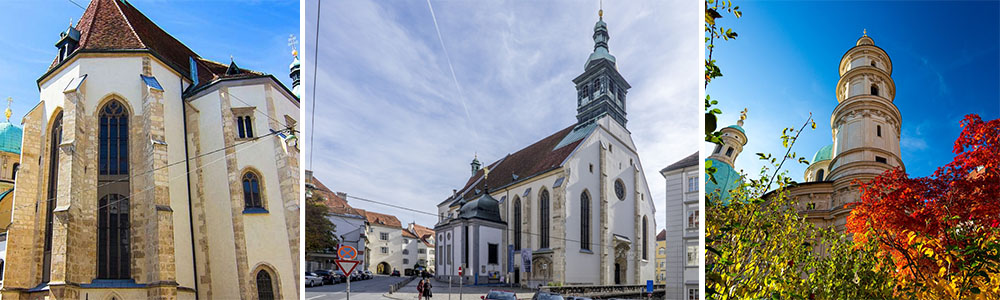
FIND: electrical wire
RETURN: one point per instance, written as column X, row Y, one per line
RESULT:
column 315, row 58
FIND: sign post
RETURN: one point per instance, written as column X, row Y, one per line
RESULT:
column 460, row 277
column 346, row 263
column 649, row 289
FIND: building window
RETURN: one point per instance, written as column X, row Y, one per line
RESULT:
column 13, row 173
column 692, row 255
column 251, row 191
column 113, row 139
column 645, row 239
column 406, row 261
column 729, row 152
column 878, row 130
column 543, row 209
column 591, row 168
column 50, row 202
column 406, row 241
column 244, row 126
column 718, row 148
column 819, row 175
column 881, row 160
column 693, row 219
column 113, row 237
column 493, row 257
column 620, row 189
column 406, row 251
column 385, row 250
column 517, row 223
column 692, row 184
column 421, row 251
column 663, row 251
column 265, row 291
column 451, row 258
column 585, row 220
column 874, row 90
column 811, row 206
column 873, row 63
column 692, row 294
column 383, row 236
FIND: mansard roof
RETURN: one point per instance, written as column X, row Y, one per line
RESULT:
column 117, row 26
column 537, row 158
column 689, row 161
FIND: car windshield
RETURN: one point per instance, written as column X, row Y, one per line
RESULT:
column 550, row 297
column 500, row 295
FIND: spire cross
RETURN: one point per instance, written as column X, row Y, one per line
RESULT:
column 8, row 112
column 293, row 42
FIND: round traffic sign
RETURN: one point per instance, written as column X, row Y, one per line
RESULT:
column 347, row 252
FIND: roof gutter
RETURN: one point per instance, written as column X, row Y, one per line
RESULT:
column 187, row 180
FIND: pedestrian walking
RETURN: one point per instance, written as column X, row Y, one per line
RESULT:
column 427, row 289
column 420, row 289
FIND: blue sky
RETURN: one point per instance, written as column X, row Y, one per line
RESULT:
column 255, row 33
column 393, row 125
column 946, row 64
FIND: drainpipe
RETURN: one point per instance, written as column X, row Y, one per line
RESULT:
column 187, row 180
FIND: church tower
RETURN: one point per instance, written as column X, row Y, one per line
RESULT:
column 866, row 123
column 293, row 70
column 733, row 139
column 600, row 89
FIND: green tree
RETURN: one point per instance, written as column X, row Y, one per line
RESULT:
column 319, row 229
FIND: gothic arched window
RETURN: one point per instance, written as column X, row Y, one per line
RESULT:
column 251, row 191
column 585, row 220
column 543, row 209
column 113, row 237
column 113, row 259
column 265, row 290
column 517, row 223
column 50, row 199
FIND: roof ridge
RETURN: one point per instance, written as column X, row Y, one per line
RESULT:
column 132, row 27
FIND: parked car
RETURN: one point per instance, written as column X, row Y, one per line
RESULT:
column 499, row 295
column 577, row 298
column 327, row 276
column 369, row 274
column 313, row 280
column 547, row 296
column 357, row 276
column 395, row 273
column 340, row 275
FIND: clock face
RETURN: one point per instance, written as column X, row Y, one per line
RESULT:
column 620, row 189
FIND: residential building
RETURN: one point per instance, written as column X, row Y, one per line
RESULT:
column 681, row 234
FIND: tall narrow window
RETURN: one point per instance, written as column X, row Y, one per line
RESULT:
column 878, row 130
column 729, row 152
column 517, row 223
column 239, row 127
column 251, row 191
column 645, row 235
column 585, row 221
column 113, row 237
column 819, row 175
column 265, row 289
column 13, row 172
column 543, row 208
column 50, row 201
column 244, row 123
column 113, row 224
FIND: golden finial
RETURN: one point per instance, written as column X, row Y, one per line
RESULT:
column 8, row 111
column 864, row 32
column 600, row 12
column 743, row 116
column 295, row 53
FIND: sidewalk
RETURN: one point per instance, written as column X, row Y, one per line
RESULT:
column 439, row 291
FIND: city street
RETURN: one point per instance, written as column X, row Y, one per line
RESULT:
column 364, row 289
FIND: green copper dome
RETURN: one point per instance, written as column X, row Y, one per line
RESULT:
column 726, row 179
column 737, row 127
column 10, row 138
column 824, row 153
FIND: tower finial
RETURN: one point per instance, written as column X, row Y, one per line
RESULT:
column 600, row 12
column 8, row 111
column 864, row 32
column 743, row 116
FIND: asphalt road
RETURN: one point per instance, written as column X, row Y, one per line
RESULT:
column 360, row 290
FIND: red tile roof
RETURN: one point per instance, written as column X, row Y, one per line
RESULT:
column 408, row 234
column 525, row 163
column 117, row 25
column 375, row 218
column 334, row 202
column 662, row 236
column 423, row 232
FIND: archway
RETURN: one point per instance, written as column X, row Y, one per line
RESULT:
column 383, row 268
column 621, row 262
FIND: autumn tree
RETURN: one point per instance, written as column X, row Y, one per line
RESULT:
column 939, row 233
column 319, row 229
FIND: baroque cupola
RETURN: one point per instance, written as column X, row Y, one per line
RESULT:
column 866, row 125
column 732, row 141
column 600, row 89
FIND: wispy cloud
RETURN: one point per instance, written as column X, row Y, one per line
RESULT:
column 391, row 125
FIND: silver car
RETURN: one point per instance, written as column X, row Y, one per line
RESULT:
column 313, row 280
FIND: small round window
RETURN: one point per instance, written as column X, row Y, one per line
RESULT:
column 620, row 189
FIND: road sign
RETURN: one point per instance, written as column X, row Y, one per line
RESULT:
column 347, row 265
column 649, row 286
column 459, row 271
column 347, row 253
